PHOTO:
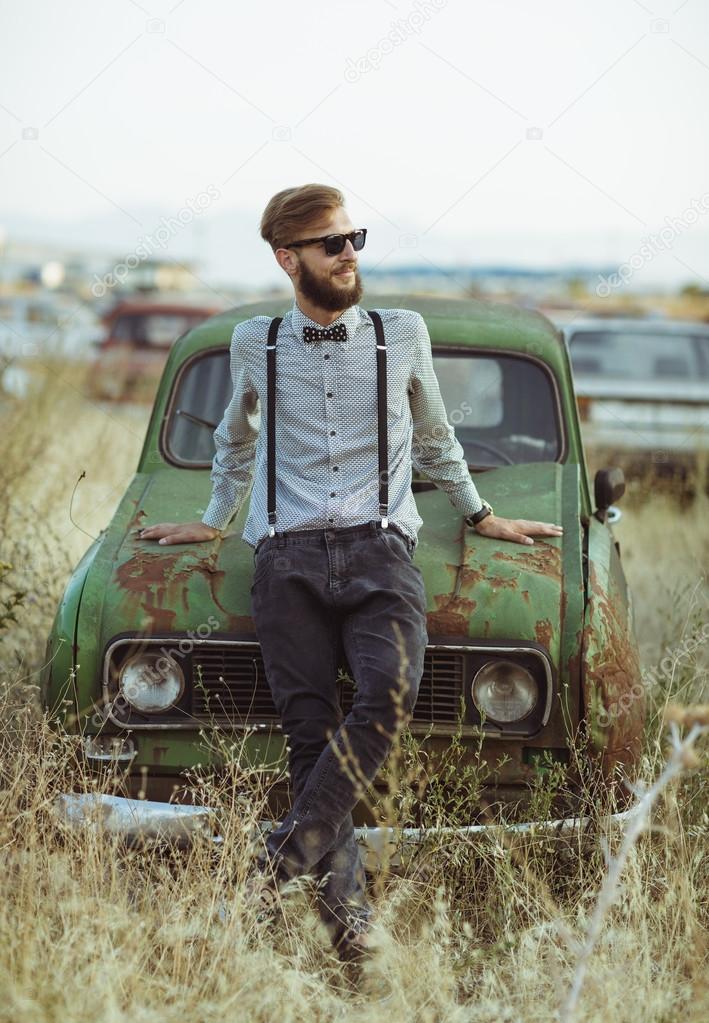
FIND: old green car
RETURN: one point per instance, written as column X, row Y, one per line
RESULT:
column 529, row 647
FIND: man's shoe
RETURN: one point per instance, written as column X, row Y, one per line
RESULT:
column 357, row 945
column 261, row 894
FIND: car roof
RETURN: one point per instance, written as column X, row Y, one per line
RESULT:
column 450, row 320
column 637, row 325
column 161, row 308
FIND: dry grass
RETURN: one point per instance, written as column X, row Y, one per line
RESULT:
column 89, row 931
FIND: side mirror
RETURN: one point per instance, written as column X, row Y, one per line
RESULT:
column 609, row 487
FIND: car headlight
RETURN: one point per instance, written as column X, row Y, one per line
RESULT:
column 151, row 682
column 504, row 691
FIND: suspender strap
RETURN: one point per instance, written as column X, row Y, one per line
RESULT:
column 271, row 421
column 382, row 430
column 382, row 426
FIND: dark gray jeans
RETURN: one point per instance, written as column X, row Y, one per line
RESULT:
column 315, row 593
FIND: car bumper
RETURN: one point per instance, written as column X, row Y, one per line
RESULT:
column 149, row 821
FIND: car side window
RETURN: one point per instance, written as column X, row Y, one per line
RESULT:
column 202, row 392
column 634, row 355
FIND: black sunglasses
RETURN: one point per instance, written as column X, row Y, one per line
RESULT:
column 335, row 243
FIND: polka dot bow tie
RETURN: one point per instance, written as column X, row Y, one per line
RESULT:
column 336, row 333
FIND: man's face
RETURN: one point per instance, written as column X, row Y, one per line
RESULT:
column 329, row 282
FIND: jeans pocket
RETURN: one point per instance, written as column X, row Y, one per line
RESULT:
column 262, row 561
column 396, row 542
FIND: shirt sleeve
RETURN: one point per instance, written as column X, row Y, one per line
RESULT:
column 235, row 442
column 435, row 450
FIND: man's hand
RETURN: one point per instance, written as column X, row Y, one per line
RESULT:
column 179, row 532
column 516, row 530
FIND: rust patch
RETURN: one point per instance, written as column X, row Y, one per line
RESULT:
column 563, row 600
column 241, row 623
column 544, row 632
column 614, row 695
column 470, row 577
column 451, row 616
column 146, row 569
column 137, row 521
column 153, row 578
column 525, row 596
column 541, row 558
column 496, row 583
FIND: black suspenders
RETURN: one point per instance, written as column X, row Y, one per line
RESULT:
column 271, row 421
column 383, row 433
column 382, row 430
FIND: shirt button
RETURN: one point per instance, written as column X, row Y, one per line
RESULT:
column 332, row 433
column 330, row 520
column 326, row 356
column 335, row 468
column 329, row 394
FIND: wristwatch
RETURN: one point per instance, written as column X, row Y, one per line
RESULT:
column 472, row 520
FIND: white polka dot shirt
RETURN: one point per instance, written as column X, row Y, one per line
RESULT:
column 326, row 427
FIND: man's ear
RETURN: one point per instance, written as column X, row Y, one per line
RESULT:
column 287, row 260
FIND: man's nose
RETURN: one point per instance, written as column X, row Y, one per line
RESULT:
column 349, row 251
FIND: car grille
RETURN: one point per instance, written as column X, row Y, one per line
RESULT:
column 230, row 682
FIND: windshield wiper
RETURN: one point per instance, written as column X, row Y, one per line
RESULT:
column 196, row 419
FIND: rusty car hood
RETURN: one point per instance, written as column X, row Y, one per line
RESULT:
column 477, row 587
column 489, row 589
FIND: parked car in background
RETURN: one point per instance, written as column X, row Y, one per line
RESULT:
column 529, row 646
column 643, row 392
column 138, row 339
column 38, row 330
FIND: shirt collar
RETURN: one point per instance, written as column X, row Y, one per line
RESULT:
column 350, row 317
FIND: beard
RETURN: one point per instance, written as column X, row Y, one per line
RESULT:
column 325, row 294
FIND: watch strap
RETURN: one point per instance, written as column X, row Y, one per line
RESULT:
column 472, row 520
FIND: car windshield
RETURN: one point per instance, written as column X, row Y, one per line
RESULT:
column 503, row 408
column 639, row 355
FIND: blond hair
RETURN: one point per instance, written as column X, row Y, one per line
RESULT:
column 290, row 212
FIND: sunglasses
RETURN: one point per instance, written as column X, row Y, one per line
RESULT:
column 335, row 243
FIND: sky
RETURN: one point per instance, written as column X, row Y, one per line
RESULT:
column 486, row 131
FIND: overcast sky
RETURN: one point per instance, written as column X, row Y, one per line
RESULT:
column 459, row 131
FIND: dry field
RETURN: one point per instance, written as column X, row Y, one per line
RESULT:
column 89, row 932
